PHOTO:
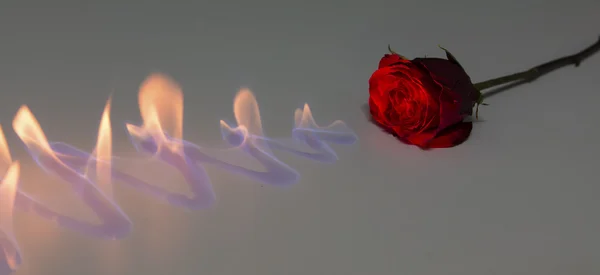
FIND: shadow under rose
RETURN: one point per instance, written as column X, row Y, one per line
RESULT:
column 365, row 110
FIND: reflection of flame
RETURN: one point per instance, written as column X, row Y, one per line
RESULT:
column 161, row 107
column 103, row 153
column 8, row 191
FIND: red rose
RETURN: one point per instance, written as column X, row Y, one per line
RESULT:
column 423, row 101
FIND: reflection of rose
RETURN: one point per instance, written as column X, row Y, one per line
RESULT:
column 422, row 101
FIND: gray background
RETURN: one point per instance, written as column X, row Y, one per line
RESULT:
column 519, row 197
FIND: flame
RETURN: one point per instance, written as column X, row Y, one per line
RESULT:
column 8, row 192
column 247, row 113
column 4, row 151
column 161, row 107
column 103, row 155
column 247, row 117
column 103, row 152
column 29, row 130
column 303, row 118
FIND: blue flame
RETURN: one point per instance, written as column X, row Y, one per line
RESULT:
column 71, row 164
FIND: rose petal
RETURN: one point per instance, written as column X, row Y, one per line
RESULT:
column 377, row 113
column 422, row 139
column 390, row 60
column 453, row 77
column 442, row 122
column 378, row 98
column 449, row 110
column 452, row 136
column 444, row 71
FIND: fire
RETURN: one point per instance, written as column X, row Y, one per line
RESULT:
column 303, row 118
column 8, row 192
column 161, row 107
column 247, row 113
column 4, row 152
column 103, row 152
column 8, row 187
column 114, row 223
column 249, row 124
column 29, row 130
column 161, row 133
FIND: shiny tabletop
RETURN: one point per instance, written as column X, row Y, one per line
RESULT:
column 520, row 196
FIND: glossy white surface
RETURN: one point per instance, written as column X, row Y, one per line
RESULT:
column 519, row 197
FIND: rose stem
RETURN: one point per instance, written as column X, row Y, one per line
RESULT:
column 540, row 70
